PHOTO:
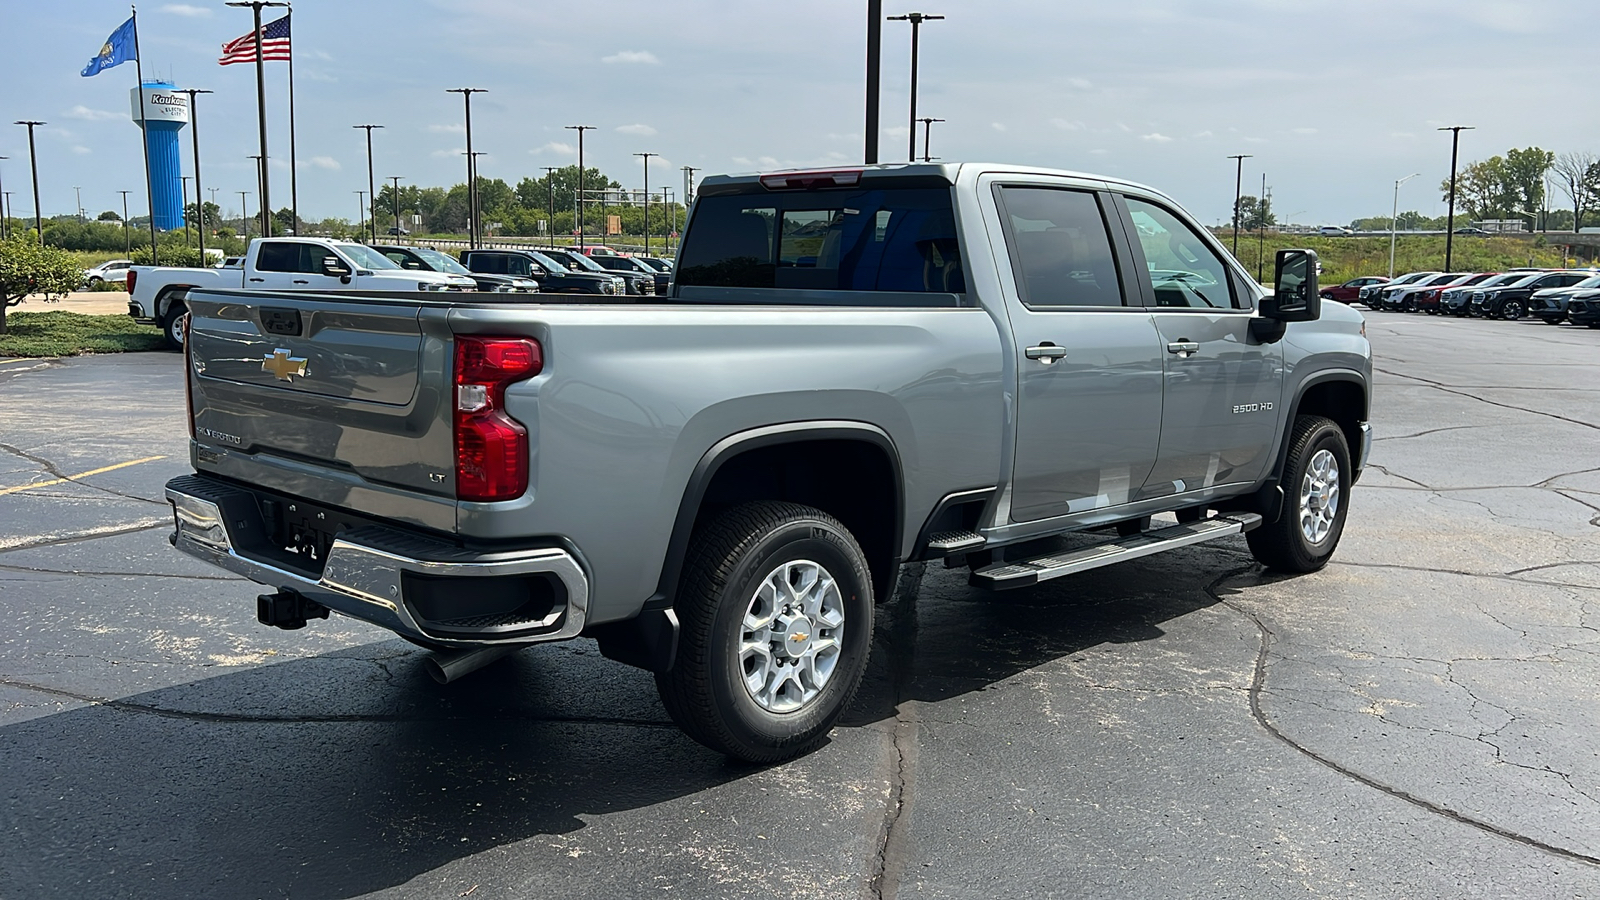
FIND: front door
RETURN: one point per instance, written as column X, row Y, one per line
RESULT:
column 1089, row 363
column 1223, row 387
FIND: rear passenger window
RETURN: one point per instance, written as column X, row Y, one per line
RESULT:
column 1183, row 268
column 1060, row 248
column 488, row 263
column 283, row 257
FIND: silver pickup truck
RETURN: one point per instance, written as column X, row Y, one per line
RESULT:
column 853, row 370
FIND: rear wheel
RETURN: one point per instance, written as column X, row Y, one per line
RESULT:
column 1316, row 477
column 776, row 612
column 173, row 324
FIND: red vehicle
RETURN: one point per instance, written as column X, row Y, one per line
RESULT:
column 1350, row 291
column 1431, row 300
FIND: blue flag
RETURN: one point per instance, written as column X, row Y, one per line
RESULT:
column 118, row 49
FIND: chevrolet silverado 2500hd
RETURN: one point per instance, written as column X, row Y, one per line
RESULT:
column 854, row 369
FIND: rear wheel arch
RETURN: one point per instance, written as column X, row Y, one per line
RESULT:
column 850, row 470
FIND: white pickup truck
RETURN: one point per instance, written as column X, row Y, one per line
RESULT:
column 158, row 295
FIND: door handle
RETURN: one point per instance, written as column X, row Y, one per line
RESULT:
column 1046, row 353
column 258, row 279
column 301, row 281
column 1184, row 349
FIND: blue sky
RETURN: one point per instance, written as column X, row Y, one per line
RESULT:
column 1335, row 100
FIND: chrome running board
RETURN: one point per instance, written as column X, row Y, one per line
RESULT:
column 1002, row 576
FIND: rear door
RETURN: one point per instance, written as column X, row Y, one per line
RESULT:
column 1089, row 364
column 1222, row 387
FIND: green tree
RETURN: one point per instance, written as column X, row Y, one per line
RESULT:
column 1253, row 214
column 213, row 215
column 1578, row 176
column 1524, row 174
column 109, row 215
column 28, row 268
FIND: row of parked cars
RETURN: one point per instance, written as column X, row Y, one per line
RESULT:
column 1550, row 295
column 551, row 270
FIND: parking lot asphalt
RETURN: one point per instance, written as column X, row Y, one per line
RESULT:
column 1418, row 720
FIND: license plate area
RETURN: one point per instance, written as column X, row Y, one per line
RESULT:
column 304, row 530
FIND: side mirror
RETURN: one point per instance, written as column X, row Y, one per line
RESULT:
column 1294, row 295
column 333, row 265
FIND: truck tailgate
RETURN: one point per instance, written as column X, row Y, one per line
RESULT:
column 352, row 389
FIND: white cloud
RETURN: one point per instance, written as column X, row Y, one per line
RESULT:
column 1255, row 140
column 632, row 56
column 441, row 154
column 556, row 147
column 323, row 162
column 997, row 126
column 90, row 115
column 636, row 128
column 1305, row 131
column 448, row 129
column 1203, row 134
column 852, row 136
column 1081, row 84
column 80, row 150
column 185, row 9
column 1155, row 137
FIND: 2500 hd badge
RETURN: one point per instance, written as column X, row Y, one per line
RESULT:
column 1252, row 407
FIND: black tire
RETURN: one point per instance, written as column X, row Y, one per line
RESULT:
column 1554, row 321
column 1282, row 545
column 1511, row 311
column 173, row 323
column 727, row 562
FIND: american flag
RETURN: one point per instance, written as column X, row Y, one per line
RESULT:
column 274, row 45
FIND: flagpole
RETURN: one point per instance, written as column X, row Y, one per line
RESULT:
column 294, row 167
column 144, row 138
column 261, row 110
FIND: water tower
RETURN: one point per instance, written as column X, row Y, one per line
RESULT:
column 165, row 113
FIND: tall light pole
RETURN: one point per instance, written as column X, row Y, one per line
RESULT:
column 688, row 191
column 244, row 214
column 396, row 180
column 472, row 195
column 127, row 238
column 472, row 165
column 874, row 69
column 33, row 165
column 183, row 181
column 550, row 194
column 370, row 191
column 580, row 129
column 199, row 193
column 4, row 214
column 927, row 135
column 1450, row 222
column 1238, row 188
column 77, row 191
column 261, row 108
column 916, row 19
column 361, row 218
column 646, row 158
column 261, row 165
column 1394, row 216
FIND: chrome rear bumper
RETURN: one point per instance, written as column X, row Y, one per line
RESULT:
column 366, row 581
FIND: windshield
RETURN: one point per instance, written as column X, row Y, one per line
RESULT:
column 1412, row 278
column 660, row 265
column 366, row 257
column 583, row 262
column 442, row 262
column 1590, row 282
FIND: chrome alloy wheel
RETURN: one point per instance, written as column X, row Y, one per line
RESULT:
column 1319, row 497
column 792, row 636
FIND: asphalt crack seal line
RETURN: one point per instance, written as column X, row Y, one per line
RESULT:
column 1258, row 686
column 905, row 738
column 63, row 478
column 92, row 535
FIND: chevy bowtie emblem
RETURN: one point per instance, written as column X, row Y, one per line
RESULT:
column 798, row 636
column 283, row 366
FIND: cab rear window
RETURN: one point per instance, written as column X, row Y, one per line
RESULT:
column 884, row 241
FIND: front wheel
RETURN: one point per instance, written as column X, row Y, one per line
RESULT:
column 1316, row 477
column 1512, row 311
column 173, row 324
column 775, row 608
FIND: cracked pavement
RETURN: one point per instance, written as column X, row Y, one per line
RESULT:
column 1417, row 720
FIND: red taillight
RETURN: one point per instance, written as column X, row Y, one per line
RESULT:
column 133, row 278
column 491, row 447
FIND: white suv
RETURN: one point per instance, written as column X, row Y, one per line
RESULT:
column 112, row 270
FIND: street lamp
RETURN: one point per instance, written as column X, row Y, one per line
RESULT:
column 33, row 164
column 580, row 129
column 77, row 191
column 874, row 70
column 1394, row 223
column 244, row 214
column 370, row 192
column 397, row 228
column 1450, row 223
column 266, row 223
column 550, row 191
column 916, row 19
column 127, row 239
column 199, row 193
column 927, row 134
column 1238, row 188
column 361, row 217
column 646, row 157
column 472, row 165
column 183, row 181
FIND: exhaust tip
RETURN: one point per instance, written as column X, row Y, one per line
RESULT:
column 446, row 667
column 434, row 670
